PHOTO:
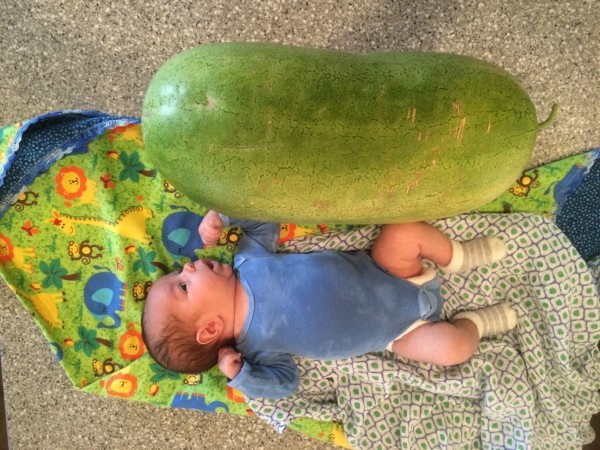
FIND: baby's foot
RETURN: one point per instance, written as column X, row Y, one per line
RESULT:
column 491, row 320
column 477, row 252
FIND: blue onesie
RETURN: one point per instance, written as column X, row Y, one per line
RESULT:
column 324, row 305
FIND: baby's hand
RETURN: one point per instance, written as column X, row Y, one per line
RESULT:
column 230, row 362
column 210, row 229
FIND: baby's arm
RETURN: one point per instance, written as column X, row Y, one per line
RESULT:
column 264, row 233
column 264, row 375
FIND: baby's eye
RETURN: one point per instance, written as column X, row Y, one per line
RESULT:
column 182, row 286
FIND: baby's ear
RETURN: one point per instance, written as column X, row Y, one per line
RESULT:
column 209, row 330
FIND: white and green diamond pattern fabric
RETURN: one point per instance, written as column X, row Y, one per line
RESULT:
column 533, row 387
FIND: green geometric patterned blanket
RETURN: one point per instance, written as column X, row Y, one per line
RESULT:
column 88, row 224
column 534, row 387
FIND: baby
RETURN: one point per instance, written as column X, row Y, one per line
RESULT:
column 248, row 319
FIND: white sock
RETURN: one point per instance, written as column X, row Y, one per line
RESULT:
column 477, row 252
column 427, row 274
column 491, row 320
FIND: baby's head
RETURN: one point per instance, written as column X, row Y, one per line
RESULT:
column 188, row 316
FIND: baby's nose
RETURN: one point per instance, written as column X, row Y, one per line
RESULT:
column 189, row 266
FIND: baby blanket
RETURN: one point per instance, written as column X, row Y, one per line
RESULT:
column 88, row 224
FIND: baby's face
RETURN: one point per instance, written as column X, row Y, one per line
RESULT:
column 200, row 287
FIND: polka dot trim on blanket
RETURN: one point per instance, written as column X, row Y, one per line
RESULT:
column 579, row 217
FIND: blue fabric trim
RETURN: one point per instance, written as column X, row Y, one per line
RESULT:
column 579, row 217
column 572, row 180
column 42, row 141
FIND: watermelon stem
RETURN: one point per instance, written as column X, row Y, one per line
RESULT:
column 551, row 118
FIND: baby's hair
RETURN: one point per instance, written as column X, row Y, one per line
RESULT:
column 175, row 348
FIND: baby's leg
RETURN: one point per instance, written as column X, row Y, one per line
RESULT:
column 400, row 247
column 449, row 343
column 444, row 343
